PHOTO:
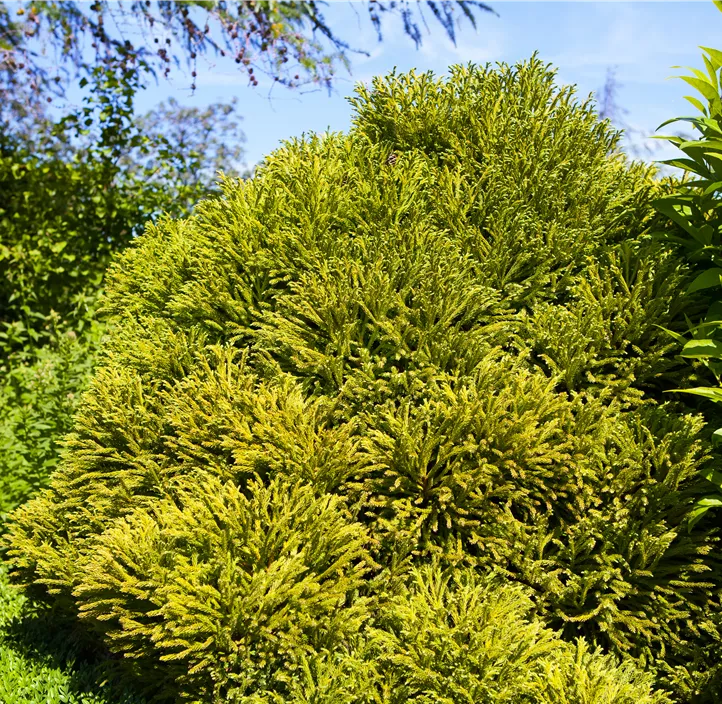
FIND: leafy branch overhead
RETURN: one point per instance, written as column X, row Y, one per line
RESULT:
column 289, row 41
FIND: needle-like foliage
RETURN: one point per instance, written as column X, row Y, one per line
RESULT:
column 435, row 337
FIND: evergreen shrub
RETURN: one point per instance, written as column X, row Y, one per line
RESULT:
column 435, row 338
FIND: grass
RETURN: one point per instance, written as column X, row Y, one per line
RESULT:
column 39, row 664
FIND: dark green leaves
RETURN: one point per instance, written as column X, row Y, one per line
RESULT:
column 696, row 210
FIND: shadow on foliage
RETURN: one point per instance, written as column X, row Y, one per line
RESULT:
column 42, row 635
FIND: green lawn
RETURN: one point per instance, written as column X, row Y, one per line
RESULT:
column 37, row 666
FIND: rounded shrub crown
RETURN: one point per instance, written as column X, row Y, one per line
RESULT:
column 435, row 337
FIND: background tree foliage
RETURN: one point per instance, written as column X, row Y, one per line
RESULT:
column 73, row 193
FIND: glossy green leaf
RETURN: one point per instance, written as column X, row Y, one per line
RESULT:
column 710, row 124
column 705, row 144
column 696, row 349
column 666, row 237
column 710, row 501
column 715, row 186
column 710, row 392
column 711, row 79
column 666, row 207
column 711, row 71
column 688, row 165
column 712, row 323
column 717, row 437
column 707, row 279
column 701, row 508
column 713, row 475
column 715, row 56
column 680, row 338
column 697, row 103
column 702, row 86
column 672, row 121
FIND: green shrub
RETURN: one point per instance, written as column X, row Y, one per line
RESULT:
column 444, row 638
column 454, row 637
column 439, row 336
column 461, row 639
column 39, row 399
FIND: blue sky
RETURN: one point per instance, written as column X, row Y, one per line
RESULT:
column 643, row 40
